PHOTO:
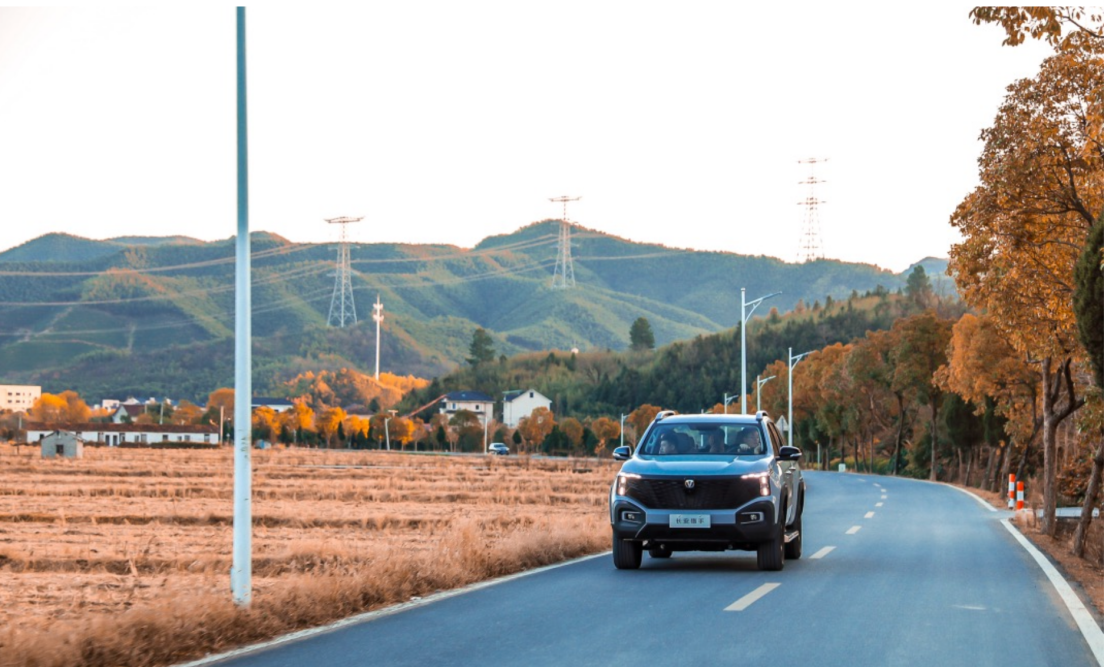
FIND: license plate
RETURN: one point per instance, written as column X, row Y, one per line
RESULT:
column 689, row 521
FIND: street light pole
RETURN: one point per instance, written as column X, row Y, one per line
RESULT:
column 623, row 429
column 759, row 385
column 789, row 419
column 745, row 315
column 728, row 399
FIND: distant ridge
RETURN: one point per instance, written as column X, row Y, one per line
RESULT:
column 155, row 315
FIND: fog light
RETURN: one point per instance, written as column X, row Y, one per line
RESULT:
column 750, row 517
column 631, row 517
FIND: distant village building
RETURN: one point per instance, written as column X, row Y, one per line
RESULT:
column 517, row 404
column 114, row 435
column 127, row 412
column 475, row 402
column 62, row 443
column 277, row 404
column 19, row 397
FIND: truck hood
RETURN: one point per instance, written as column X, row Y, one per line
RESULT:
column 674, row 466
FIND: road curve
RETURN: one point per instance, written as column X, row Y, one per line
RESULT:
column 894, row 572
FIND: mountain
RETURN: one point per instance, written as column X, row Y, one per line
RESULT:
column 156, row 316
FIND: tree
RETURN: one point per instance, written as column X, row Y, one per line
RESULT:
column 605, row 429
column 536, row 427
column 918, row 287
column 573, row 430
column 265, row 423
column 641, row 417
column 482, row 348
column 186, row 413
column 641, row 336
column 298, row 419
column 1088, row 306
column 1025, row 224
column 1064, row 28
column 64, row 408
column 329, row 422
column 921, row 351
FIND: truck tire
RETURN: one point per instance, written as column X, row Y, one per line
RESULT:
column 769, row 555
column 627, row 554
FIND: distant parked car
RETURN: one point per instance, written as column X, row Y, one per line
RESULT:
column 498, row 448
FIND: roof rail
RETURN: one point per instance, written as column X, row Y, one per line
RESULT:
column 759, row 415
column 663, row 414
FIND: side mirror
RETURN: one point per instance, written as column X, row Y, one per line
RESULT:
column 789, row 453
column 622, row 453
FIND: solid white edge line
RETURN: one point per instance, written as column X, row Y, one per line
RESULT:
column 984, row 503
column 1092, row 633
column 822, row 553
column 853, row 529
column 749, row 599
column 378, row 613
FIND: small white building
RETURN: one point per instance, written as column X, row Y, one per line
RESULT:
column 114, row 435
column 517, row 404
column 475, row 402
column 62, row 443
column 19, row 397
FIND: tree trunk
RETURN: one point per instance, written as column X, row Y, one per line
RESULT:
column 934, row 438
column 987, row 480
column 1090, row 501
column 1052, row 418
column 969, row 466
column 900, row 432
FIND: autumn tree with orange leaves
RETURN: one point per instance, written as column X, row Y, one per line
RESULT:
column 1042, row 188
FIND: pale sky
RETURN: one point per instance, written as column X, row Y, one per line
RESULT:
column 447, row 122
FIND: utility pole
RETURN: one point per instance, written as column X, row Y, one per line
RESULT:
column 789, row 420
column 564, row 275
column 809, row 246
column 623, row 429
column 745, row 315
column 342, row 308
column 759, row 385
column 377, row 315
column 241, row 568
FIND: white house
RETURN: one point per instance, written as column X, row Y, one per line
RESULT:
column 62, row 443
column 114, row 435
column 517, row 404
column 475, row 402
column 19, row 397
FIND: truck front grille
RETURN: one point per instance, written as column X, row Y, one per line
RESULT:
column 713, row 493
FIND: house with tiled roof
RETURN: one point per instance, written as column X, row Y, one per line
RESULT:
column 475, row 402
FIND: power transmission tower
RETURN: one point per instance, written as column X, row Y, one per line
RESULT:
column 377, row 315
column 342, row 309
column 809, row 247
column 564, row 275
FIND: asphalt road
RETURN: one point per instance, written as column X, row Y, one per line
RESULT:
column 894, row 572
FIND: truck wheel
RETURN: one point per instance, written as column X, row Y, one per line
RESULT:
column 770, row 554
column 793, row 547
column 626, row 554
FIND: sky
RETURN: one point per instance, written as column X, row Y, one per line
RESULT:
column 441, row 122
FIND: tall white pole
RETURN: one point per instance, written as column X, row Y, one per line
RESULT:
column 744, row 317
column 758, row 386
column 241, row 570
column 377, row 315
column 789, row 419
column 743, row 353
column 387, row 433
column 623, row 429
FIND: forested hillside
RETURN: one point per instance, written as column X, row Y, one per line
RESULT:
column 155, row 316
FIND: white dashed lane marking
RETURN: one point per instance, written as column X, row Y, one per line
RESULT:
column 822, row 553
column 749, row 599
column 869, row 515
column 878, row 504
column 853, row 529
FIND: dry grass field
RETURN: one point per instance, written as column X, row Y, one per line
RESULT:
column 123, row 557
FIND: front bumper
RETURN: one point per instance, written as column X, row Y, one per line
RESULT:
column 744, row 527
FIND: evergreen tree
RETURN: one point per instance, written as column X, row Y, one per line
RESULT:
column 1088, row 299
column 482, row 348
column 641, row 336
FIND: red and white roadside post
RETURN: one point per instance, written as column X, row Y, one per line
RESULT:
column 1012, row 490
column 1019, row 496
